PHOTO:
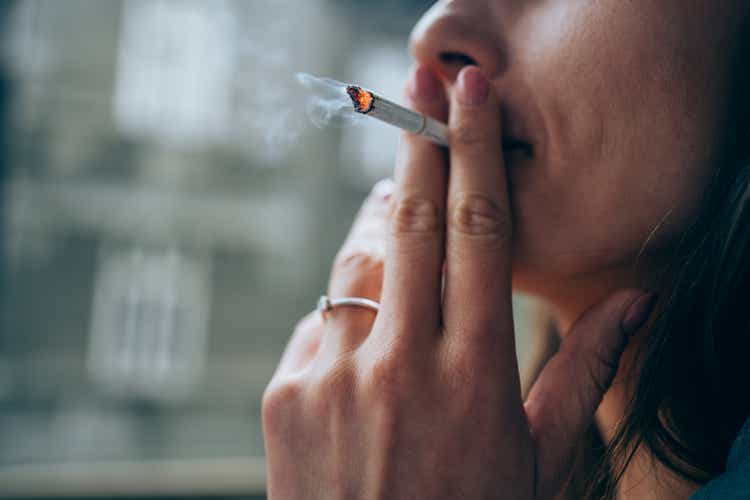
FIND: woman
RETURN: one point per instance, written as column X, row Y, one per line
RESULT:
column 599, row 160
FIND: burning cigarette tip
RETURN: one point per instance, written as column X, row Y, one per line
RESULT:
column 363, row 100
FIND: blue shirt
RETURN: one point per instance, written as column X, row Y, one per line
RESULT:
column 734, row 484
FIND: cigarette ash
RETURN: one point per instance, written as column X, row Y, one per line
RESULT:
column 363, row 100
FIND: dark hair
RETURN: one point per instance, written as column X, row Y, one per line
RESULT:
column 689, row 398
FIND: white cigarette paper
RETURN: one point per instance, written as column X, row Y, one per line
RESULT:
column 370, row 104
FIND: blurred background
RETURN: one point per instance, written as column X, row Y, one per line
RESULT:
column 168, row 213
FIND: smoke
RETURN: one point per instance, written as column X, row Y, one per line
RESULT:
column 267, row 104
column 276, row 101
column 262, row 101
column 327, row 103
column 226, row 76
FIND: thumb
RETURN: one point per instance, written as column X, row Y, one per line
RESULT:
column 565, row 397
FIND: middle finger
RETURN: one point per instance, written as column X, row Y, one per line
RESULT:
column 478, row 272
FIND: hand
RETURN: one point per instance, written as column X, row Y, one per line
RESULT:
column 423, row 399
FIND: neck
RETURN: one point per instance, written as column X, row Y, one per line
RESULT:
column 645, row 477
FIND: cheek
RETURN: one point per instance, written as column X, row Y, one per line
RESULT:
column 629, row 142
column 601, row 218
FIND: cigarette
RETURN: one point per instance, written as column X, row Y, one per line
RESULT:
column 370, row 104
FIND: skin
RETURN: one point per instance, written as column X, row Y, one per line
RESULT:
column 622, row 108
column 624, row 104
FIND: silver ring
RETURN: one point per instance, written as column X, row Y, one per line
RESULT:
column 325, row 303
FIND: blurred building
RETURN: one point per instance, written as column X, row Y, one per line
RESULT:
column 169, row 215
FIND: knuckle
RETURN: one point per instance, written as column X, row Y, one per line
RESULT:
column 277, row 401
column 383, row 392
column 384, row 382
column 359, row 262
column 476, row 214
column 337, row 386
column 601, row 370
column 415, row 215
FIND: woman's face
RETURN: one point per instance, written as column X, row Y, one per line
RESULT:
column 621, row 104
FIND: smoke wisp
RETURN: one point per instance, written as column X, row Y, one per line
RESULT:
column 327, row 103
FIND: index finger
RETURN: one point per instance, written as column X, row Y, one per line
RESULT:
column 478, row 273
column 414, row 251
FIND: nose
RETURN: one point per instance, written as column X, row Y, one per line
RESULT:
column 457, row 33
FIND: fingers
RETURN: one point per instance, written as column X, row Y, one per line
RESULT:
column 563, row 401
column 415, row 245
column 478, row 274
column 358, row 271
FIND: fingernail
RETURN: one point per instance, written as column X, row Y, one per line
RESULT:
column 472, row 88
column 383, row 189
column 426, row 86
column 638, row 312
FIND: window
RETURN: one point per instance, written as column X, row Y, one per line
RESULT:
column 169, row 215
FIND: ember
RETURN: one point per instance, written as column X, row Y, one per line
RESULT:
column 362, row 99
